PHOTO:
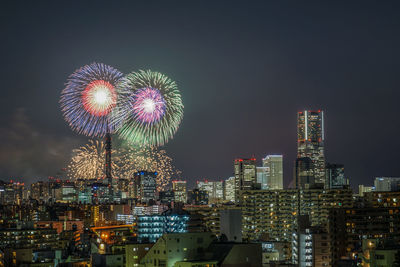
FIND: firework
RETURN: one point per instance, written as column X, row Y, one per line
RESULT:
column 89, row 97
column 150, row 159
column 150, row 110
column 88, row 163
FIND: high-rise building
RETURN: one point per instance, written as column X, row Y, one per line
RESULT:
column 387, row 184
column 146, row 186
column 11, row 193
column 381, row 199
column 335, row 178
column 40, row 191
column 351, row 226
column 245, row 175
column 197, row 197
column 304, row 173
column 262, row 177
column 316, row 203
column 100, row 193
column 166, row 197
column 364, row 189
column 66, row 193
column 122, row 186
column 85, row 196
column 179, row 188
column 152, row 227
column 229, row 189
column 214, row 189
column 273, row 214
column 313, row 247
column 274, row 165
column 310, row 141
column 269, row 214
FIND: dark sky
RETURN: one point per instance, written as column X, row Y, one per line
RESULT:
column 244, row 69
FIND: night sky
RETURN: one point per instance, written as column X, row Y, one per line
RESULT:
column 244, row 70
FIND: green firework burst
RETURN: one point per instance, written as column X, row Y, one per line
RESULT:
column 150, row 111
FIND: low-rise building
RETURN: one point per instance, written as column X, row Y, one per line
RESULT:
column 177, row 247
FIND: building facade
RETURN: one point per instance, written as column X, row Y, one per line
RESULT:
column 229, row 189
column 146, row 186
column 274, row 165
column 335, row 178
column 387, row 184
column 245, row 175
column 180, row 190
column 214, row 189
column 310, row 141
column 304, row 177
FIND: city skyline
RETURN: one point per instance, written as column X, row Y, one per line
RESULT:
column 293, row 65
column 199, row 133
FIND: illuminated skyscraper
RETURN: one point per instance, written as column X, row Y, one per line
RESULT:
column 274, row 174
column 310, row 141
column 245, row 175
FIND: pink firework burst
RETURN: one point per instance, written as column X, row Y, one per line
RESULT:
column 99, row 98
column 148, row 105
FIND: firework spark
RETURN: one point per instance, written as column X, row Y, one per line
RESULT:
column 88, row 163
column 150, row 159
column 89, row 97
column 150, row 110
column 148, row 105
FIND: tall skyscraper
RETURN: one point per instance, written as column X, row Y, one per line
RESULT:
column 274, row 165
column 310, row 141
column 245, row 175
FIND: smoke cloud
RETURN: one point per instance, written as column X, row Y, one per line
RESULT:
column 28, row 154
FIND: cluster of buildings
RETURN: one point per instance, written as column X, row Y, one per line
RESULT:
column 249, row 219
